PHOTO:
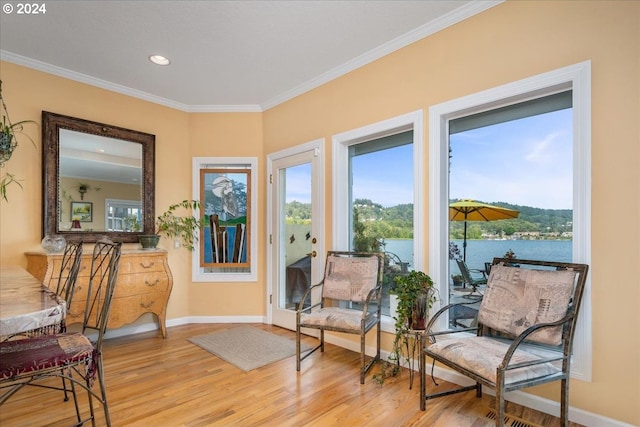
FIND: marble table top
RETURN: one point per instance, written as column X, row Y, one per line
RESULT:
column 25, row 303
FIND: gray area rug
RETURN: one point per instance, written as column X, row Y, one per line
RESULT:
column 247, row 347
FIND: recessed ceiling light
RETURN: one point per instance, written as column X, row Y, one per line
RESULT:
column 159, row 60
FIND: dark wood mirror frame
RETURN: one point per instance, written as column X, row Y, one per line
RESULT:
column 51, row 125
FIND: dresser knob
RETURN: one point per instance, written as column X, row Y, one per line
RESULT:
column 152, row 284
column 143, row 265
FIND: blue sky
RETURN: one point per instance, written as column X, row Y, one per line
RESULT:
column 524, row 162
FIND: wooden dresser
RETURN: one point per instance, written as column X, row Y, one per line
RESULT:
column 144, row 284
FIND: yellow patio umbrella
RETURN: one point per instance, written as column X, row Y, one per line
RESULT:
column 470, row 210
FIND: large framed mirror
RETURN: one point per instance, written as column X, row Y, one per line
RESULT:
column 97, row 180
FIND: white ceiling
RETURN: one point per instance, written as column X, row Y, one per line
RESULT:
column 226, row 55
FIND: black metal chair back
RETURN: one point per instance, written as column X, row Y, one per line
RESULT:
column 68, row 274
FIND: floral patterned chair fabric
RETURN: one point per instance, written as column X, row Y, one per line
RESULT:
column 353, row 285
column 524, row 337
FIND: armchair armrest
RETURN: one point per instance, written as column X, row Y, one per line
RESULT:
column 440, row 312
column 373, row 293
column 307, row 293
column 517, row 342
column 478, row 270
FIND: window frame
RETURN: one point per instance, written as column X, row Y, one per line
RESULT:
column 340, row 175
column 232, row 163
column 576, row 78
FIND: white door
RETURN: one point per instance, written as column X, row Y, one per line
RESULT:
column 295, row 251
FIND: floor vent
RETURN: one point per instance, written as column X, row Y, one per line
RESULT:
column 509, row 420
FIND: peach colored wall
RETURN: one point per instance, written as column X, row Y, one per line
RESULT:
column 28, row 92
column 512, row 41
column 232, row 135
column 509, row 42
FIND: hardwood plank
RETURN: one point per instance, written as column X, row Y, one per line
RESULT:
column 171, row 382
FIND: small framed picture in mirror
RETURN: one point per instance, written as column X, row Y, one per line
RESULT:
column 82, row 211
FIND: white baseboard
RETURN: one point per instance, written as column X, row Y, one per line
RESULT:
column 525, row 399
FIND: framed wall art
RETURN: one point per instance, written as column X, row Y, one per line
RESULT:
column 227, row 246
column 82, row 211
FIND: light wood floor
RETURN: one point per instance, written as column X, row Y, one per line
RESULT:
column 170, row 382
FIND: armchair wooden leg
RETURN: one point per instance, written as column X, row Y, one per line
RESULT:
column 499, row 407
column 298, row 347
column 423, row 379
column 564, row 402
column 363, row 362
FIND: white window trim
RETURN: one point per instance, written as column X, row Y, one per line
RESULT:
column 575, row 77
column 228, row 162
column 340, row 155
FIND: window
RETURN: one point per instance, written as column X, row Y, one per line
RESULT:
column 577, row 80
column 380, row 205
column 517, row 157
column 123, row 215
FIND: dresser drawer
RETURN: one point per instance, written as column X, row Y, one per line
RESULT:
column 136, row 284
column 139, row 264
column 83, row 271
column 129, row 309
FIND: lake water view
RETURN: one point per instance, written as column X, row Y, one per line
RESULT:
column 481, row 251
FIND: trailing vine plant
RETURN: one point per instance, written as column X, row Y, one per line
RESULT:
column 416, row 294
column 8, row 143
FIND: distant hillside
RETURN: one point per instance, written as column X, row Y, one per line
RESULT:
column 544, row 221
column 396, row 221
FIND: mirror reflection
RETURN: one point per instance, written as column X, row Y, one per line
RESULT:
column 98, row 180
column 103, row 173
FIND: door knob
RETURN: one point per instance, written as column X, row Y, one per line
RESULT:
column 313, row 254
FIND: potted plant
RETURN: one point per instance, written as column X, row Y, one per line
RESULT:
column 416, row 294
column 81, row 188
column 180, row 227
column 457, row 280
column 8, row 143
column 510, row 255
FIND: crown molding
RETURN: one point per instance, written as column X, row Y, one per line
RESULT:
column 458, row 15
column 124, row 90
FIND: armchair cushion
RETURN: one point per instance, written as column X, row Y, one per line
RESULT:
column 338, row 319
column 517, row 298
column 481, row 355
column 350, row 278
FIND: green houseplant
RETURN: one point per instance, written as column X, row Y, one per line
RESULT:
column 416, row 294
column 8, row 143
column 173, row 225
column 457, row 279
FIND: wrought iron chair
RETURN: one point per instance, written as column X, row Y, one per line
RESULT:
column 350, row 299
column 65, row 289
column 468, row 279
column 524, row 336
column 68, row 274
column 70, row 356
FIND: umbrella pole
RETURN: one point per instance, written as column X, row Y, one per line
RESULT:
column 464, row 243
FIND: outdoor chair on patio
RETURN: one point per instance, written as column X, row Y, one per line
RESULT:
column 524, row 336
column 350, row 297
column 469, row 279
